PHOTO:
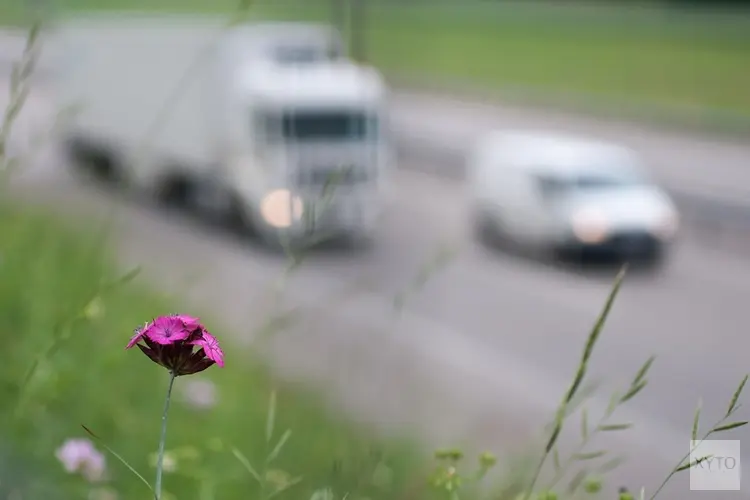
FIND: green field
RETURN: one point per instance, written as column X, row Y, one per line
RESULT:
column 48, row 274
column 687, row 59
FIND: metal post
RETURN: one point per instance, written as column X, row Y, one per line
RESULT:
column 358, row 30
column 339, row 15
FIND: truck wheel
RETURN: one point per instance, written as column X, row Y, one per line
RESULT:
column 239, row 219
column 360, row 240
column 480, row 227
column 488, row 231
column 176, row 191
column 94, row 160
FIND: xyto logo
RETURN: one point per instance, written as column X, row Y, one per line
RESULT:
column 715, row 465
column 712, row 463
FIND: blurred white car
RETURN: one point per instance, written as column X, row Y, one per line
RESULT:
column 554, row 193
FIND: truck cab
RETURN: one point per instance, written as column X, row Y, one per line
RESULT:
column 307, row 127
column 314, row 138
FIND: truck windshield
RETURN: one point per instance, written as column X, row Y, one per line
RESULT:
column 323, row 126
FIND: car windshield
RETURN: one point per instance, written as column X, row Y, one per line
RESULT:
column 305, row 53
column 556, row 186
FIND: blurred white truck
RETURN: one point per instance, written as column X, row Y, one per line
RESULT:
column 270, row 122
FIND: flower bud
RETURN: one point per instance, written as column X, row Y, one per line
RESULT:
column 487, row 460
column 592, row 485
column 449, row 454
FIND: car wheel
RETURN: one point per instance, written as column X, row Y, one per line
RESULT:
column 655, row 262
column 176, row 191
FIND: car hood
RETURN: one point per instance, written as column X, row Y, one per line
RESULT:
column 624, row 209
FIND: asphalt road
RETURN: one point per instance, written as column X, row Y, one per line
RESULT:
column 481, row 355
column 689, row 163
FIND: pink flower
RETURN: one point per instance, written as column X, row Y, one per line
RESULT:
column 190, row 322
column 168, row 329
column 211, row 346
column 138, row 334
column 200, row 394
column 80, row 456
column 170, row 342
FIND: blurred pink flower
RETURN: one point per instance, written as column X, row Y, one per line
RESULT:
column 80, row 456
column 170, row 341
column 200, row 394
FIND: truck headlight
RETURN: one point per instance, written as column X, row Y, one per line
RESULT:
column 589, row 226
column 281, row 208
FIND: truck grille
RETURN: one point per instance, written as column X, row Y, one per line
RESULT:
column 320, row 176
column 331, row 214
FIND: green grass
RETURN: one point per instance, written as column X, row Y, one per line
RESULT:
column 682, row 58
column 49, row 272
column 669, row 63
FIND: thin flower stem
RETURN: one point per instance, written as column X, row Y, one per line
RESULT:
column 535, row 477
column 207, row 490
column 163, row 439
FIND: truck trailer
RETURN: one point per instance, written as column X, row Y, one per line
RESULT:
column 268, row 122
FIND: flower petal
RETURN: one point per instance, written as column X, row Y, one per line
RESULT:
column 167, row 330
column 138, row 334
column 213, row 351
column 190, row 322
column 134, row 339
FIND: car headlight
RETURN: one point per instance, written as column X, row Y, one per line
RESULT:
column 281, row 208
column 589, row 226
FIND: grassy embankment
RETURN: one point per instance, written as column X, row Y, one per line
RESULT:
column 49, row 273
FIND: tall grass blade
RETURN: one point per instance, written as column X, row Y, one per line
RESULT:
column 118, row 457
column 277, row 449
column 271, row 418
column 736, row 397
column 247, row 465
column 696, row 421
column 594, row 335
column 728, row 427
